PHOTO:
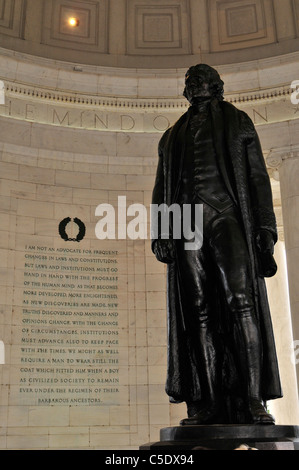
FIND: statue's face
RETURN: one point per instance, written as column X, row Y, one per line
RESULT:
column 196, row 87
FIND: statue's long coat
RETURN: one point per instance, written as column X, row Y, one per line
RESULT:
column 236, row 140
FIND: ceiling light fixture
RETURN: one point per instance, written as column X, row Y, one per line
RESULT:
column 73, row 22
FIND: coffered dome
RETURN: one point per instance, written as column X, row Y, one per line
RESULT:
column 150, row 34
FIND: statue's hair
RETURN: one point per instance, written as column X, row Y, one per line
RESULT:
column 216, row 85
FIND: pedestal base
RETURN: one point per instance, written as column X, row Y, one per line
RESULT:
column 226, row 437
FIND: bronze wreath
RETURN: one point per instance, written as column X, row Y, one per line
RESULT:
column 63, row 234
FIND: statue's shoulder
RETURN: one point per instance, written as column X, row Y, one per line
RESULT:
column 164, row 139
column 167, row 136
column 233, row 114
column 229, row 108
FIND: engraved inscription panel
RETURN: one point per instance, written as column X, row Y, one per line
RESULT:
column 70, row 330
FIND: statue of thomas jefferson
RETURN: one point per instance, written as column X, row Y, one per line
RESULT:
column 221, row 352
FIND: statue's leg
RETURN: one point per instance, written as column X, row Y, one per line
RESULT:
column 209, row 410
column 230, row 251
column 248, row 344
column 196, row 284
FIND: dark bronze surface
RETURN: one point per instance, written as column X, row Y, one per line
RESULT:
column 225, row 437
column 221, row 352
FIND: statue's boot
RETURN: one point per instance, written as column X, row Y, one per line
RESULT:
column 207, row 411
column 259, row 413
column 250, row 355
column 205, row 416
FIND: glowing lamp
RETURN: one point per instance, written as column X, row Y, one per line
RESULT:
column 73, row 22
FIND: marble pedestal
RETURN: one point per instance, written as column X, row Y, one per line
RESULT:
column 226, row 437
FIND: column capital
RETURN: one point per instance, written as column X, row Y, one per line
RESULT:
column 276, row 157
column 274, row 161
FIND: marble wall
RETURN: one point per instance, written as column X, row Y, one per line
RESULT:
column 46, row 177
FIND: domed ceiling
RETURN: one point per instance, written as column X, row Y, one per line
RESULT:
column 150, row 34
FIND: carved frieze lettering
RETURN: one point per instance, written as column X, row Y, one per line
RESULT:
column 129, row 115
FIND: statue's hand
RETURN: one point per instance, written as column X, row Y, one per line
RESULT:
column 265, row 249
column 164, row 251
column 265, row 242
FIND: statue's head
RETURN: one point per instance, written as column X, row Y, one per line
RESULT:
column 203, row 82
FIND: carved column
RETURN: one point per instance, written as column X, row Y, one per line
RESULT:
column 284, row 166
column 285, row 410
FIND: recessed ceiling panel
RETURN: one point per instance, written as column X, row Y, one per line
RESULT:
column 88, row 31
column 237, row 24
column 158, row 28
column 12, row 17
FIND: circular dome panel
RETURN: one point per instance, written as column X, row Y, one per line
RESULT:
column 152, row 33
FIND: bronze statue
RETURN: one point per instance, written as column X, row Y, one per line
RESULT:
column 221, row 352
